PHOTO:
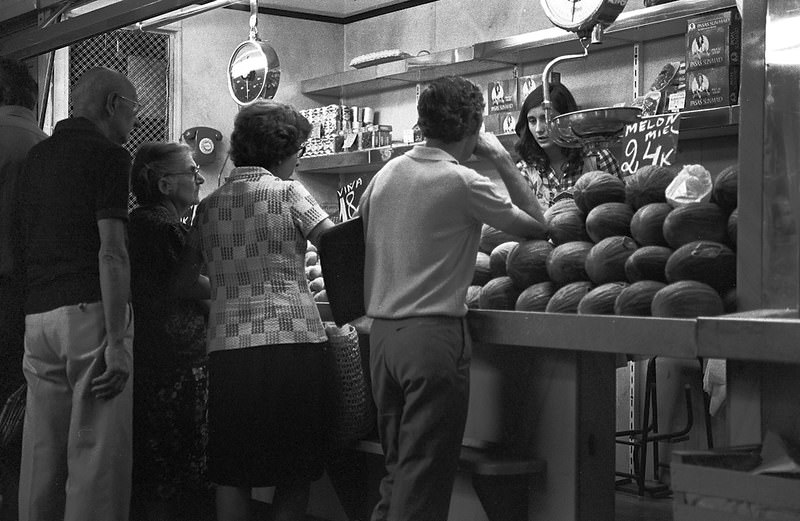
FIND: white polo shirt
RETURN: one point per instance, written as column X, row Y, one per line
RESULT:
column 422, row 217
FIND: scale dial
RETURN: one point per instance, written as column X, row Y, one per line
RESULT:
column 253, row 72
column 581, row 15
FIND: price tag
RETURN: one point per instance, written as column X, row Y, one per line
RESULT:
column 349, row 196
column 349, row 140
column 650, row 141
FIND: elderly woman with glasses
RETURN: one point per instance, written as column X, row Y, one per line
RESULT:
column 170, row 383
column 266, row 338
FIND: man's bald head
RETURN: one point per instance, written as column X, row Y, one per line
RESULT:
column 99, row 96
column 93, row 89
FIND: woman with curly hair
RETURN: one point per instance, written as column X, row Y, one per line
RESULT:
column 422, row 215
column 551, row 170
column 265, row 337
column 170, row 387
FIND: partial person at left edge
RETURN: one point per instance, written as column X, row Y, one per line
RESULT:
column 18, row 133
column 78, row 360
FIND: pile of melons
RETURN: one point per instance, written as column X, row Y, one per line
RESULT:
column 619, row 247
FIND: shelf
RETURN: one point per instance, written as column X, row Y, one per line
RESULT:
column 695, row 124
column 765, row 335
column 609, row 334
column 761, row 336
column 371, row 160
column 704, row 123
column 638, row 25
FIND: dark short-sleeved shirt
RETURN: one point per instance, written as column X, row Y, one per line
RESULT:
column 71, row 180
column 18, row 133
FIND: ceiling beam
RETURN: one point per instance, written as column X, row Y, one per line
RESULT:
column 35, row 41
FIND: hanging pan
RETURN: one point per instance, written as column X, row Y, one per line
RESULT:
column 254, row 70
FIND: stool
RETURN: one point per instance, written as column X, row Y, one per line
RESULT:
column 648, row 433
column 501, row 481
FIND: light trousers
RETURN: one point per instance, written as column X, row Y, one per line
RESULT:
column 76, row 450
column 420, row 383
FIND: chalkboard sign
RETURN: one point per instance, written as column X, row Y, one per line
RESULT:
column 349, row 195
column 650, row 141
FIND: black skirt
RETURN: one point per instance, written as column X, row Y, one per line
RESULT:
column 266, row 415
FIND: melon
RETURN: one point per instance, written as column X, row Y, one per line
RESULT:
column 687, row 299
column 566, row 263
column 482, row 273
column 597, row 187
column 695, row 222
column 560, row 206
column 527, row 263
column 605, row 262
column 600, row 300
column 647, row 224
column 321, row 296
column 609, row 219
column 648, row 184
column 473, row 296
column 535, row 297
column 725, row 191
column 730, row 301
column 647, row 263
column 498, row 293
column 498, row 257
column 636, row 299
column 565, row 222
column 704, row 261
column 733, row 227
column 491, row 238
column 567, row 298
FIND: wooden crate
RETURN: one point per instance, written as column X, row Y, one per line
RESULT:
column 728, row 494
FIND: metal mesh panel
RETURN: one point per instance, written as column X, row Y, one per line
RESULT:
column 144, row 58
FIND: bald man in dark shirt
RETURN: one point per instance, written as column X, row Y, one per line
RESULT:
column 76, row 450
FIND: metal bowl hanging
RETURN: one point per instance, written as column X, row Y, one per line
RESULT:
column 254, row 70
column 593, row 127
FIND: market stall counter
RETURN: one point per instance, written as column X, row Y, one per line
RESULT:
column 543, row 386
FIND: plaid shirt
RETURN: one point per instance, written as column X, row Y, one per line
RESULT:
column 252, row 234
column 549, row 188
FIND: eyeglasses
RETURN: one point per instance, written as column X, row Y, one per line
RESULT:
column 301, row 151
column 193, row 171
column 135, row 105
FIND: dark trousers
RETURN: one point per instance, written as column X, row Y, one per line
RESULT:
column 420, row 383
column 12, row 334
column 12, row 337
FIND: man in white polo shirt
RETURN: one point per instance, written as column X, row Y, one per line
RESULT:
column 422, row 216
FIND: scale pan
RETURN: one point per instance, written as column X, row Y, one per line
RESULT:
column 606, row 121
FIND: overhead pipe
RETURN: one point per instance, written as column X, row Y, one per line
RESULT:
column 159, row 21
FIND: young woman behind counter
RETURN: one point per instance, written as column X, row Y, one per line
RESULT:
column 551, row 170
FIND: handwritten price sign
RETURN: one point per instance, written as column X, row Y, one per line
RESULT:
column 650, row 141
column 349, row 196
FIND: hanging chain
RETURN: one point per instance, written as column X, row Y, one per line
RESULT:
column 254, row 19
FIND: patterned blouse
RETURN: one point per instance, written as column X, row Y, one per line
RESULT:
column 549, row 188
column 252, row 234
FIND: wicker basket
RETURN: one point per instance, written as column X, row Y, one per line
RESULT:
column 353, row 412
column 11, row 417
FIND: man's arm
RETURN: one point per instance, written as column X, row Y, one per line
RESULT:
column 490, row 148
column 531, row 223
column 115, row 275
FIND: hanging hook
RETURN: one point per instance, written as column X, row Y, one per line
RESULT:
column 254, row 19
